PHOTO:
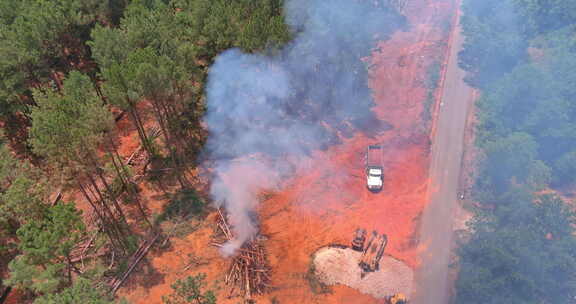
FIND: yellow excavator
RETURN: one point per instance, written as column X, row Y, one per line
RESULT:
column 372, row 253
column 398, row 299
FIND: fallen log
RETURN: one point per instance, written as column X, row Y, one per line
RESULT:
column 112, row 260
column 56, row 199
column 80, row 258
column 141, row 252
column 117, row 118
column 129, row 160
column 88, row 246
column 152, row 133
column 170, row 234
column 225, row 229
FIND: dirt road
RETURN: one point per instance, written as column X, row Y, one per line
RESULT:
column 445, row 166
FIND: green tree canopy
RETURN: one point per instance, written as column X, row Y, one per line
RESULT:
column 22, row 202
column 526, row 261
column 8, row 167
column 22, row 197
column 190, row 290
column 513, row 159
column 521, row 54
column 545, row 15
column 45, row 247
column 68, row 128
column 82, row 291
column 493, row 40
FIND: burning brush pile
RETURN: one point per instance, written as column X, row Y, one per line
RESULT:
column 249, row 272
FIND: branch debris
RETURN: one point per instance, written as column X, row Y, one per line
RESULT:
column 249, row 272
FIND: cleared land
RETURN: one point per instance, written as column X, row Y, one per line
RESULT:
column 340, row 266
column 326, row 201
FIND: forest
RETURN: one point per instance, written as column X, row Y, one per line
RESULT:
column 521, row 55
column 70, row 71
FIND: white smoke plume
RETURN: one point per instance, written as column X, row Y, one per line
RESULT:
column 280, row 107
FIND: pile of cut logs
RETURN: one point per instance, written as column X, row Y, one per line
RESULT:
column 249, row 272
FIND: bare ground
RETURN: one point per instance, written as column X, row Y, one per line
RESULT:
column 335, row 265
column 326, row 200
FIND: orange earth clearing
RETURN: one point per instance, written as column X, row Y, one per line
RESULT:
column 327, row 200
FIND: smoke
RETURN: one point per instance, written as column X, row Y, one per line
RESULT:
column 266, row 113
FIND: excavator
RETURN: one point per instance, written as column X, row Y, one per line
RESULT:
column 373, row 253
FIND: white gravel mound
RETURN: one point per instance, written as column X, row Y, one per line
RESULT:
column 340, row 266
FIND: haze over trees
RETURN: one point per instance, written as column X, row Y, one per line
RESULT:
column 521, row 55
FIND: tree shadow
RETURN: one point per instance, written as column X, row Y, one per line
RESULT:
column 145, row 275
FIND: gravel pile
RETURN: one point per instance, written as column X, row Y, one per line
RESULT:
column 340, row 266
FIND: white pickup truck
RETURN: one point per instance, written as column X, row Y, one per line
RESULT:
column 374, row 170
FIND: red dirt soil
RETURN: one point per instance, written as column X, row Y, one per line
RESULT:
column 327, row 199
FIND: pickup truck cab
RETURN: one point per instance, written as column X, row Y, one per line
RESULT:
column 374, row 169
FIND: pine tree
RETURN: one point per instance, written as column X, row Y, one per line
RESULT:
column 190, row 290
column 68, row 129
column 82, row 291
column 44, row 264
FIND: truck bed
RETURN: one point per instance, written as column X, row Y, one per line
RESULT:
column 374, row 156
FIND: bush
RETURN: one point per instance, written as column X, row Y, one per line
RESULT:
column 189, row 290
column 185, row 204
